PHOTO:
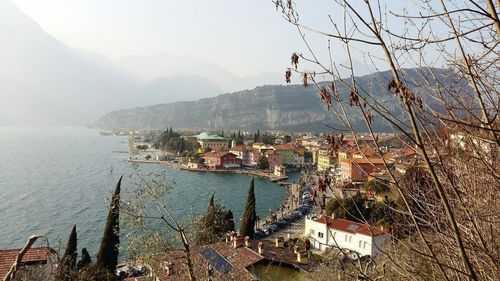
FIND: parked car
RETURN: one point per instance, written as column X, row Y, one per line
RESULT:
column 259, row 233
column 267, row 229
column 282, row 223
column 274, row 227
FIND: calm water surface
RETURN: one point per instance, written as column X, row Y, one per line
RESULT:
column 52, row 178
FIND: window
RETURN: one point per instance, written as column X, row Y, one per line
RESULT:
column 350, row 238
column 364, row 245
column 320, row 234
column 360, row 243
column 311, row 231
column 345, row 238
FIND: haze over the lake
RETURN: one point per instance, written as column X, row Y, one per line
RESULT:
column 70, row 62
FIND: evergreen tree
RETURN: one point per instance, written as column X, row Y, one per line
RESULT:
column 84, row 259
column 249, row 216
column 212, row 226
column 211, row 204
column 71, row 252
column 108, row 251
column 229, row 221
column 66, row 268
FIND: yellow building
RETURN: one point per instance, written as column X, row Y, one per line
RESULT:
column 345, row 154
column 214, row 142
column 326, row 159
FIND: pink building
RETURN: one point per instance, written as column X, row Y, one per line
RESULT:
column 274, row 158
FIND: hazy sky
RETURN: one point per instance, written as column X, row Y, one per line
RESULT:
column 243, row 36
column 246, row 37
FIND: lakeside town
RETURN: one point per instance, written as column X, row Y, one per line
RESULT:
column 292, row 239
column 319, row 216
column 250, row 140
column 305, row 226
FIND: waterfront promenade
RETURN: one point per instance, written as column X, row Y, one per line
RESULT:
column 256, row 173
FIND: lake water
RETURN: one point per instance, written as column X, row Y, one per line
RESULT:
column 52, row 178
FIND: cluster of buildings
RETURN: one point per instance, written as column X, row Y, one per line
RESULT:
column 356, row 162
column 353, row 164
column 224, row 154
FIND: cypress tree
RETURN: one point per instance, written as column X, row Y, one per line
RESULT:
column 229, row 221
column 70, row 254
column 108, row 251
column 84, row 259
column 211, row 204
column 67, row 265
column 249, row 216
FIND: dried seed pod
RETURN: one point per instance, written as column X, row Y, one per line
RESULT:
column 288, row 75
column 304, row 80
column 369, row 118
column 295, row 59
column 326, row 97
column 353, row 98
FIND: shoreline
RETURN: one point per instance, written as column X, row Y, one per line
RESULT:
column 270, row 176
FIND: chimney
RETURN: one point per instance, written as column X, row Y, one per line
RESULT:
column 260, row 248
column 233, row 235
column 302, row 257
column 247, row 241
column 238, row 242
column 280, row 242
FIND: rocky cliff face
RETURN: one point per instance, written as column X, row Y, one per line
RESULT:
column 268, row 107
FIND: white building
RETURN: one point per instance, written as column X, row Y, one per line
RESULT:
column 325, row 232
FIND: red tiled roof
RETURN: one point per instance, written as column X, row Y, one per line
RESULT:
column 284, row 147
column 369, row 161
column 350, row 226
column 240, row 258
column 217, row 154
column 240, row 148
column 33, row 255
column 366, row 151
column 408, row 151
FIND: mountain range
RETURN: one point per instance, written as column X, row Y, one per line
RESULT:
column 278, row 107
column 275, row 107
column 45, row 82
